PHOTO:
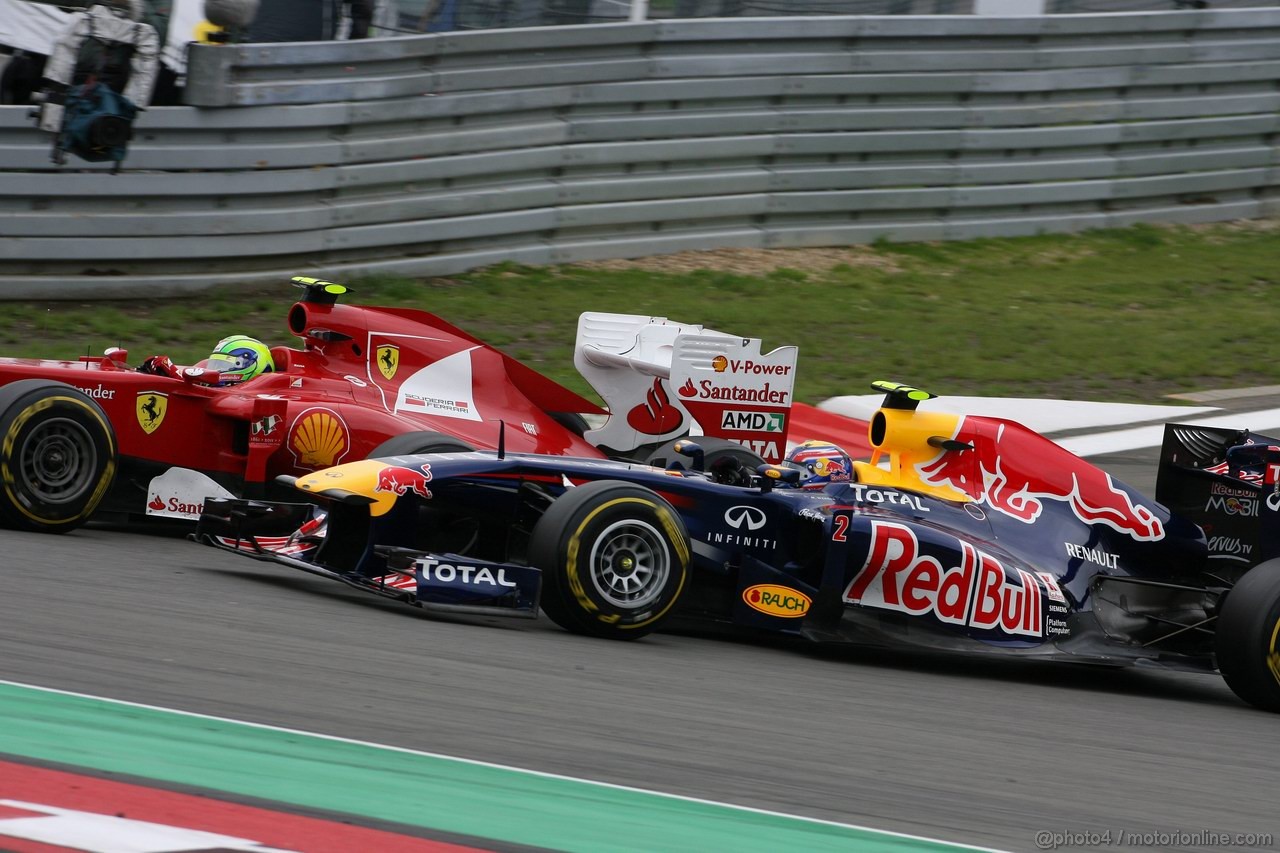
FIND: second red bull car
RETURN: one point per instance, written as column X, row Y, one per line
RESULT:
column 961, row 533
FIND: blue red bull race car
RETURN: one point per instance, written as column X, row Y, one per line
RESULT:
column 960, row 533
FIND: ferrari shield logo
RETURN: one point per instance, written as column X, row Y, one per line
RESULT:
column 152, row 406
column 388, row 360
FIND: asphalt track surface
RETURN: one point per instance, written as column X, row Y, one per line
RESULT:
column 986, row 752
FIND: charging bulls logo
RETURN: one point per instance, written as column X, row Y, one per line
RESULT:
column 151, row 409
column 388, row 356
column 1015, row 471
column 399, row 480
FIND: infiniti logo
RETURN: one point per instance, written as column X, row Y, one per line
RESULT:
column 749, row 517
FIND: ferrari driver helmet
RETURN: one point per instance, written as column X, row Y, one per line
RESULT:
column 239, row 358
column 820, row 463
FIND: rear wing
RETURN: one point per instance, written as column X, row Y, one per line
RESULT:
column 1228, row 482
column 662, row 380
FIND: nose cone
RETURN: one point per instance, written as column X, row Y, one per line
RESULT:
column 378, row 481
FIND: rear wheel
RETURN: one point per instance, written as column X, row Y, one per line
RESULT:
column 728, row 462
column 413, row 443
column 614, row 560
column 1248, row 637
column 57, row 456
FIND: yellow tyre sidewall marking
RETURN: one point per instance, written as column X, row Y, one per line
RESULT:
column 11, row 437
column 575, row 543
column 1273, row 654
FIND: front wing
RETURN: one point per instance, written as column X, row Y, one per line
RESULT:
column 293, row 535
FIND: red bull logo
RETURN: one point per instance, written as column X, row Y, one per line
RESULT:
column 400, row 481
column 1014, row 471
column 979, row 593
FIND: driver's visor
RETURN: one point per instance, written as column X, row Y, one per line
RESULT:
column 224, row 363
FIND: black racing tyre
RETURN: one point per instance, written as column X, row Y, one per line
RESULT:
column 413, row 443
column 716, row 450
column 614, row 560
column 1248, row 637
column 58, row 456
column 572, row 421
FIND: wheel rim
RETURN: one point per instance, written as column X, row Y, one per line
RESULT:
column 58, row 461
column 630, row 564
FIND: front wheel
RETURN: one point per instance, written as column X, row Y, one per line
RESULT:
column 57, row 456
column 614, row 560
column 414, row 443
column 1248, row 637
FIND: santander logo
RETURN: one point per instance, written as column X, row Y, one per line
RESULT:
column 657, row 415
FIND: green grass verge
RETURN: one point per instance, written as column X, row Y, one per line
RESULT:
column 1125, row 315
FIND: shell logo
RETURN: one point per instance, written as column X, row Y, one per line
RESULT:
column 318, row 438
column 720, row 364
column 776, row 600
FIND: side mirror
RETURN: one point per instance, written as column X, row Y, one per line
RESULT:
column 693, row 450
column 772, row 475
column 201, row 376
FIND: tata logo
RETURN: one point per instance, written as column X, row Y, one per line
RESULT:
column 777, row 600
column 744, row 517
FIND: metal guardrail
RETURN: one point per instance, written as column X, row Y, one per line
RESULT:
column 431, row 155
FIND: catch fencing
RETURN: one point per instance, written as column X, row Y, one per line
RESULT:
column 434, row 154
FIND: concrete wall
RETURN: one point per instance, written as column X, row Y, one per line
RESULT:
column 436, row 154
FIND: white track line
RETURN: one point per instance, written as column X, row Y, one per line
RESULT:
column 1118, row 441
column 439, row 756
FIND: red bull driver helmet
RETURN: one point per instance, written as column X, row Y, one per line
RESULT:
column 820, row 463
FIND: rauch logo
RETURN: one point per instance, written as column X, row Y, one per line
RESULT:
column 777, row 600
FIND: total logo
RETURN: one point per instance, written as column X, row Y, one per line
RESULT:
column 776, row 600
column 434, row 570
column 979, row 593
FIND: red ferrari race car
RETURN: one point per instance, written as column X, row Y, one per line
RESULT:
column 96, row 435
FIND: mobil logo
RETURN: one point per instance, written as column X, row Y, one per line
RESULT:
column 1015, row 471
column 980, row 592
column 399, row 480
